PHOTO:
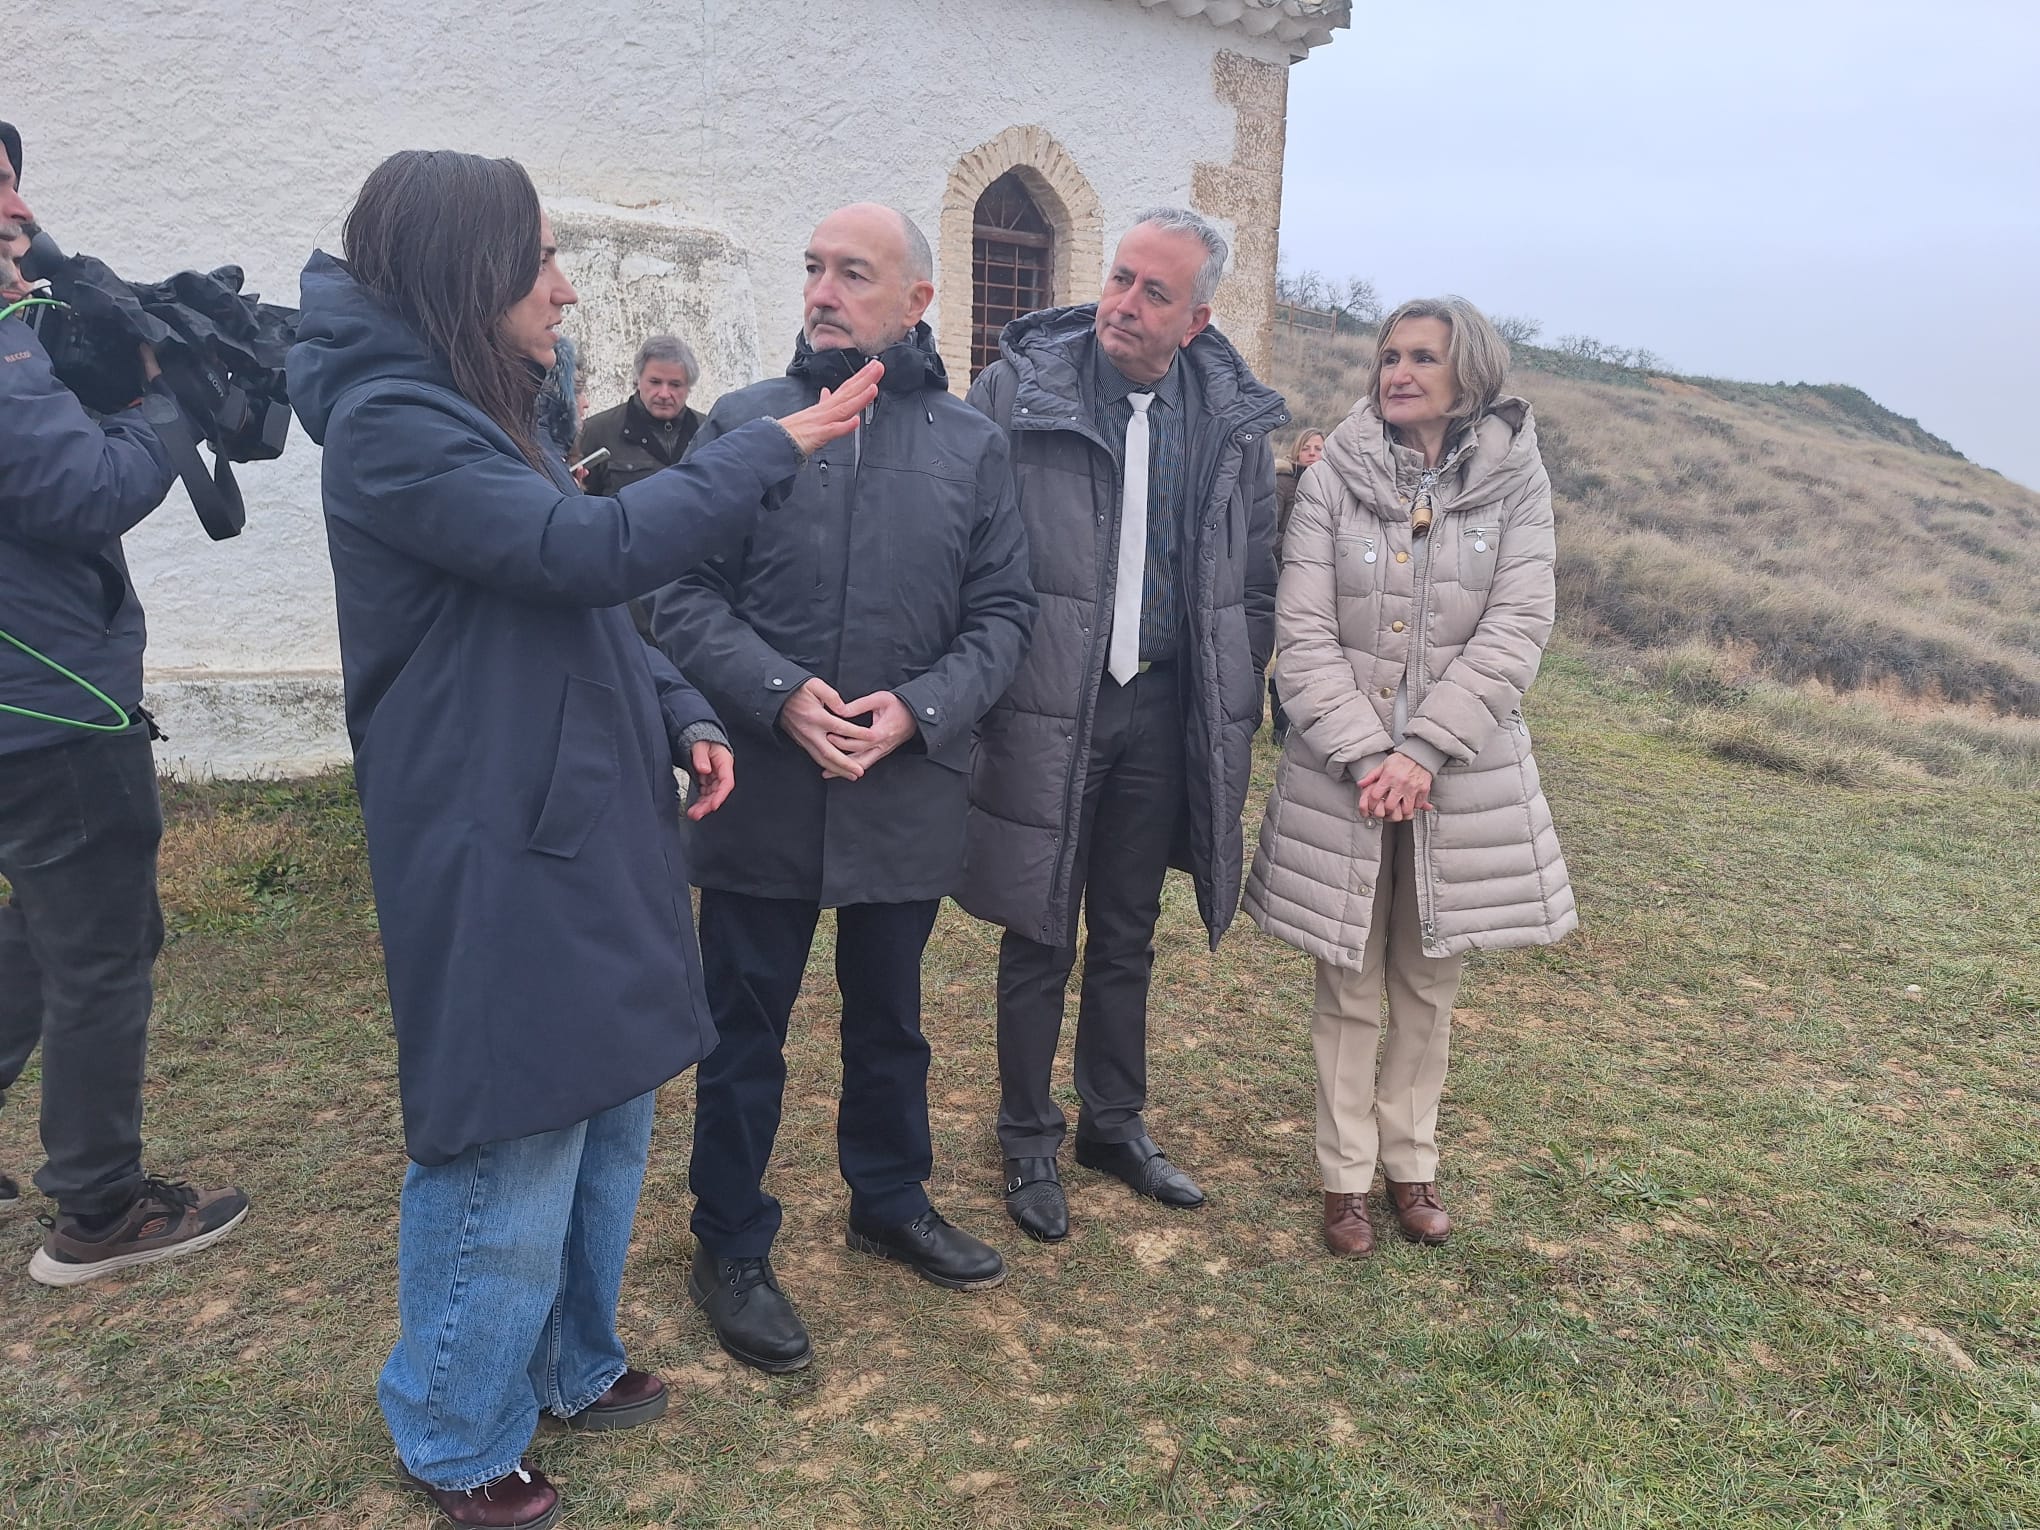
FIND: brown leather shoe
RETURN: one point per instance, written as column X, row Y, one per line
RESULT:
column 524, row 1500
column 637, row 1398
column 1418, row 1211
column 1348, row 1233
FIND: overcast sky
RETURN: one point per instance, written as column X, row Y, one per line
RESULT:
column 1800, row 190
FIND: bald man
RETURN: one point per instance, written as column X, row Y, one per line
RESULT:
column 850, row 646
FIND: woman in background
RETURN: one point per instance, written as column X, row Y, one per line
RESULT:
column 1407, row 825
column 1289, row 471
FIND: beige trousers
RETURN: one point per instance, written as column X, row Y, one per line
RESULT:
column 1390, row 1116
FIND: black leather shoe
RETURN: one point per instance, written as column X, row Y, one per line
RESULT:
column 752, row 1319
column 947, row 1255
column 1034, row 1199
column 1142, row 1167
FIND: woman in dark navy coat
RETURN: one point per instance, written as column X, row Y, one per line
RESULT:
column 515, row 742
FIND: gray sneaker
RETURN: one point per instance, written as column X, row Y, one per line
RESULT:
column 168, row 1218
column 10, row 1195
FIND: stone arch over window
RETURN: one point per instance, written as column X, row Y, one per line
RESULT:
column 1066, row 204
column 1012, row 264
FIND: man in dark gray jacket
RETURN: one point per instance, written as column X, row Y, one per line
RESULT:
column 1140, row 454
column 850, row 647
column 652, row 429
column 79, row 815
column 646, row 433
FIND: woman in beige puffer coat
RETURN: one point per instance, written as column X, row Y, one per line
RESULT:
column 1407, row 825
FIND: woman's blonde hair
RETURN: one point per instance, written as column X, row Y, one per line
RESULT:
column 1479, row 356
column 1304, row 435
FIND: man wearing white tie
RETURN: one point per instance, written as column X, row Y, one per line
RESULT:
column 1139, row 443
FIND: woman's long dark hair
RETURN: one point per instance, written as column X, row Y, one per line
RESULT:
column 450, row 241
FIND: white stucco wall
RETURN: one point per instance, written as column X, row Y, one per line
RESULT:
column 687, row 148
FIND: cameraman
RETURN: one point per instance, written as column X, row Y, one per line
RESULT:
column 79, row 815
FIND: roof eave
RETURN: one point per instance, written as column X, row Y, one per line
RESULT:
column 1301, row 24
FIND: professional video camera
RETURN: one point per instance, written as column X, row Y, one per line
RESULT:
column 221, row 352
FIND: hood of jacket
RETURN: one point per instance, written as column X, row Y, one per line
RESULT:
column 911, row 366
column 346, row 337
column 1501, row 464
column 1049, row 358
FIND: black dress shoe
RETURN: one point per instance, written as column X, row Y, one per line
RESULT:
column 947, row 1255
column 1143, row 1168
column 752, row 1319
column 1034, row 1199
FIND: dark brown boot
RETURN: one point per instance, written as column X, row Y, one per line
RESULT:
column 637, row 1398
column 524, row 1500
column 1348, row 1233
column 1418, row 1211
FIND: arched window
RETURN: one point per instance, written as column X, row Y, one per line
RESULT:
column 1012, row 264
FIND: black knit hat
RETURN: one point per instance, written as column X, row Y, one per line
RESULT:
column 11, row 137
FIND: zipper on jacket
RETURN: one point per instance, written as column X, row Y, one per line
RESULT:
column 1427, row 888
column 850, row 526
column 1483, row 535
column 1085, row 722
column 821, row 535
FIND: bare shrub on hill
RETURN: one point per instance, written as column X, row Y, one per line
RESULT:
column 1717, row 698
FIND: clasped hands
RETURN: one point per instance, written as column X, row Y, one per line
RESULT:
column 820, row 721
column 1396, row 790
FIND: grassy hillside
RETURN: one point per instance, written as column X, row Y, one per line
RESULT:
column 1745, row 1173
column 1762, row 550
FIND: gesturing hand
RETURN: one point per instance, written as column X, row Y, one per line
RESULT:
column 891, row 725
column 836, row 415
column 715, row 772
column 811, row 715
column 1395, row 790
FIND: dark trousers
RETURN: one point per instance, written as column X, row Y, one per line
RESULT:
column 753, row 952
column 79, row 827
column 1133, row 799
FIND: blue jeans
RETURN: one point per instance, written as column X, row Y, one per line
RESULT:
column 509, row 1262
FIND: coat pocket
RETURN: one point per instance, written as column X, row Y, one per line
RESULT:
column 585, row 770
column 48, row 821
column 1359, row 559
column 1478, row 546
